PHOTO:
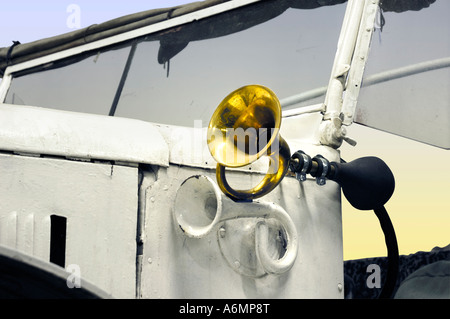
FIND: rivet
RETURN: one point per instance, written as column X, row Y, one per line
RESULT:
column 222, row 232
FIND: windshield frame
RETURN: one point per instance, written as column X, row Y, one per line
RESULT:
column 359, row 19
column 117, row 39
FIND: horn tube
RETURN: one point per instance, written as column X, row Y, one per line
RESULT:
column 200, row 206
column 278, row 167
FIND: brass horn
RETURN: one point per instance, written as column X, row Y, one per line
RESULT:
column 244, row 127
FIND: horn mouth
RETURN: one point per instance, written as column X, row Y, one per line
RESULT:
column 244, row 125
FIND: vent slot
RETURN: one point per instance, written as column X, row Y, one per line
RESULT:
column 58, row 240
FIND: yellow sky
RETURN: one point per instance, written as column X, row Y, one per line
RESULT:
column 420, row 206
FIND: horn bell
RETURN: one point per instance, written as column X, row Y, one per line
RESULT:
column 244, row 127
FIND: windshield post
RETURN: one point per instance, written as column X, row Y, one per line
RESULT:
column 358, row 24
column 126, row 70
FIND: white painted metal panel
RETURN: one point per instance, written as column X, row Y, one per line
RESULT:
column 176, row 266
column 28, row 233
column 52, row 132
column 188, row 145
column 100, row 203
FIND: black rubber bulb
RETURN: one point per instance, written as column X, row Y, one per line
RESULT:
column 367, row 182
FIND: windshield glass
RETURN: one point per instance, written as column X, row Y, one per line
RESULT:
column 182, row 74
column 405, row 90
column 87, row 86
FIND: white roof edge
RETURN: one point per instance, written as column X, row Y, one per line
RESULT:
column 121, row 37
column 35, row 130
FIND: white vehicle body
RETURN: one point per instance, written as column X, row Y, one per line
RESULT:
column 114, row 181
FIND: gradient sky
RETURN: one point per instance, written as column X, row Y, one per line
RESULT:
column 420, row 206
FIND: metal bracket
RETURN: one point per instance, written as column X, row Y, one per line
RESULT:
column 324, row 167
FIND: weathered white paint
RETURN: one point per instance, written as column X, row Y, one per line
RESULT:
column 176, row 266
column 105, row 207
column 344, row 53
column 221, row 264
column 100, row 203
column 348, row 67
column 36, row 130
column 359, row 59
column 200, row 206
column 188, row 145
column 4, row 86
